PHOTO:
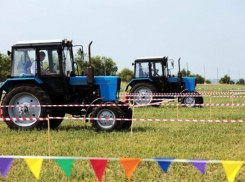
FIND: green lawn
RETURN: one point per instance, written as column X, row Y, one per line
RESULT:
column 180, row 140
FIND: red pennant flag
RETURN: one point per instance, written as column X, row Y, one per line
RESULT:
column 129, row 165
column 99, row 166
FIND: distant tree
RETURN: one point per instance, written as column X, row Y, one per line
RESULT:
column 208, row 82
column 232, row 82
column 225, row 80
column 185, row 73
column 240, row 81
column 126, row 75
column 5, row 65
column 102, row 65
column 199, row 78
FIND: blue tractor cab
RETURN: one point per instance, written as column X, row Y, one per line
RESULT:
column 153, row 75
column 45, row 73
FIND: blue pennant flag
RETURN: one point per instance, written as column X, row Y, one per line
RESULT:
column 164, row 164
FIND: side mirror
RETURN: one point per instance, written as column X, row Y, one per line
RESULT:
column 9, row 53
column 82, row 54
column 132, row 64
column 170, row 64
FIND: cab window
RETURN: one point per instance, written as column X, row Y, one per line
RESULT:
column 49, row 62
column 22, row 62
column 157, row 69
column 142, row 69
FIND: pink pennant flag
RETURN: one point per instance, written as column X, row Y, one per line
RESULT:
column 99, row 166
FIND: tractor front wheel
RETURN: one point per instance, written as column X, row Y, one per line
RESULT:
column 127, row 115
column 108, row 113
column 26, row 95
column 54, row 123
column 192, row 100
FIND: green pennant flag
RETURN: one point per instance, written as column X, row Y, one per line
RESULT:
column 65, row 165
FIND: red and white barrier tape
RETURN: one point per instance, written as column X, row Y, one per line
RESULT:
column 65, row 105
column 158, row 94
column 227, row 96
column 203, row 104
column 130, row 105
column 125, row 119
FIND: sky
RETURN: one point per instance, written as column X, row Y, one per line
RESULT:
column 208, row 35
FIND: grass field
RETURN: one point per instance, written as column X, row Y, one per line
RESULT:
column 180, row 140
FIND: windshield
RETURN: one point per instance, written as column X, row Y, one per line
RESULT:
column 67, row 60
column 22, row 61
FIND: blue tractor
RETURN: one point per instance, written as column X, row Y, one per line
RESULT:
column 152, row 75
column 45, row 73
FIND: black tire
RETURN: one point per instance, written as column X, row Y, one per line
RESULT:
column 27, row 95
column 127, row 114
column 192, row 100
column 54, row 123
column 106, row 112
column 143, row 88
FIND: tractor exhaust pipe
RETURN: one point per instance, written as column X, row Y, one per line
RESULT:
column 90, row 69
column 179, row 73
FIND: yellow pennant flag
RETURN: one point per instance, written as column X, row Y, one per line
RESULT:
column 35, row 166
column 129, row 165
column 231, row 169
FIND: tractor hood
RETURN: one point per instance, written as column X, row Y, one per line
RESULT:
column 109, row 85
column 189, row 82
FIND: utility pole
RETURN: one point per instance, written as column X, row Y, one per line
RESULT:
column 204, row 73
column 217, row 75
column 230, row 77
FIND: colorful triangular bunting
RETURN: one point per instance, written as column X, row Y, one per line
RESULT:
column 231, row 169
column 5, row 164
column 200, row 165
column 35, row 166
column 164, row 164
column 129, row 165
column 99, row 166
column 65, row 165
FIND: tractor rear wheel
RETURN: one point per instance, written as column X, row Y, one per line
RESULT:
column 26, row 95
column 142, row 93
column 106, row 112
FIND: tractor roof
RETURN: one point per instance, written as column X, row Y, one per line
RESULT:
column 42, row 42
column 159, row 58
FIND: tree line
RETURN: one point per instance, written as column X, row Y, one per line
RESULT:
column 106, row 66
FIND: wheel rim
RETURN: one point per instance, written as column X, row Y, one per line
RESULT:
column 106, row 124
column 143, row 95
column 189, row 100
column 24, row 111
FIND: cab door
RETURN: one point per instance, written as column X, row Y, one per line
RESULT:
column 50, row 71
column 157, row 74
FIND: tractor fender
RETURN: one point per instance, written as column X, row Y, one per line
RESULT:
column 90, row 108
column 134, row 81
column 10, row 83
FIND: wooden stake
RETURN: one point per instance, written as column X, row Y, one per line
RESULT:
column 49, row 143
column 232, row 100
column 132, row 120
column 210, row 107
column 177, row 107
